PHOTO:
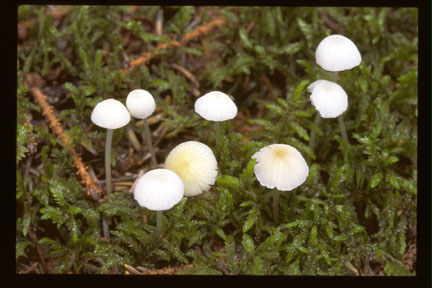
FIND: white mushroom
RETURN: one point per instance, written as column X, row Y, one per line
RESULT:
column 215, row 106
column 110, row 114
column 196, row 165
column 337, row 53
column 141, row 105
column 159, row 190
column 329, row 98
column 282, row 167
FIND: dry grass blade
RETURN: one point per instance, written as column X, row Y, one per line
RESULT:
column 167, row 270
column 186, row 73
column 131, row 269
column 352, row 268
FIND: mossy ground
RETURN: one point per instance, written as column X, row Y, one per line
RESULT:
column 355, row 214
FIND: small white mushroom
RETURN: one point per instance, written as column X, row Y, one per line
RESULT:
column 215, row 106
column 337, row 53
column 282, row 167
column 141, row 105
column 329, row 98
column 196, row 165
column 110, row 114
column 159, row 190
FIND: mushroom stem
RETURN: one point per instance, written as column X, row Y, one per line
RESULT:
column 312, row 136
column 217, row 133
column 108, row 161
column 158, row 224
column 336, row 76
column 147, row 138
column 105, row 220
column 276, row 195
column 342, row 128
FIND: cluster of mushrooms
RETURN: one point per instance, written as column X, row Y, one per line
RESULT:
column 191, row 167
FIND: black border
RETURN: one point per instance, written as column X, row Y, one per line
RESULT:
column 423, row 277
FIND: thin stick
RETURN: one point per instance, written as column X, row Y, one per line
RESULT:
column 39, row 251
column 312, row 136
column 92, row 190
column 31, row 268
column 276, row 194
column 147, row 138
column 158, row 224
column 199, row 31
column 343, row 130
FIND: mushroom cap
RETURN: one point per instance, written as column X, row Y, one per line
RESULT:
column 329, row 98
column 110, row 114
column 280, row 166
column 337, row 53
column 196, row 165
column 140, row 103
column 158, row 190
column 215, row 106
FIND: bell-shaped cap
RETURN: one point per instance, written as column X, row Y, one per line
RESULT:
column 337, row 53
column 140, row 103
column 159, row 190
column 329, row 98
column 215, row 106
column 280, row 166
column 110, row 114
column 196, row 165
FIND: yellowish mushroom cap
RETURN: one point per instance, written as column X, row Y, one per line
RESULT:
column 195, row 164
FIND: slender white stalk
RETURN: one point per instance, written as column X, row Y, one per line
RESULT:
column 158, row 224
column 105, row 220
column 276, row 194
column 312, row 136
column 147, row 139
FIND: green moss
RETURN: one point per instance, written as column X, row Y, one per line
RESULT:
column 357, row 206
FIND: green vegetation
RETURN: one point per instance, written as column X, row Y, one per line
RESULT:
column 355, row 214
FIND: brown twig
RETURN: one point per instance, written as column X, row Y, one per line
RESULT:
column 31, row 268
column 199, row 31
column 41, row 258
column 93, row 191
column 163, row 271
column 186, row 73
